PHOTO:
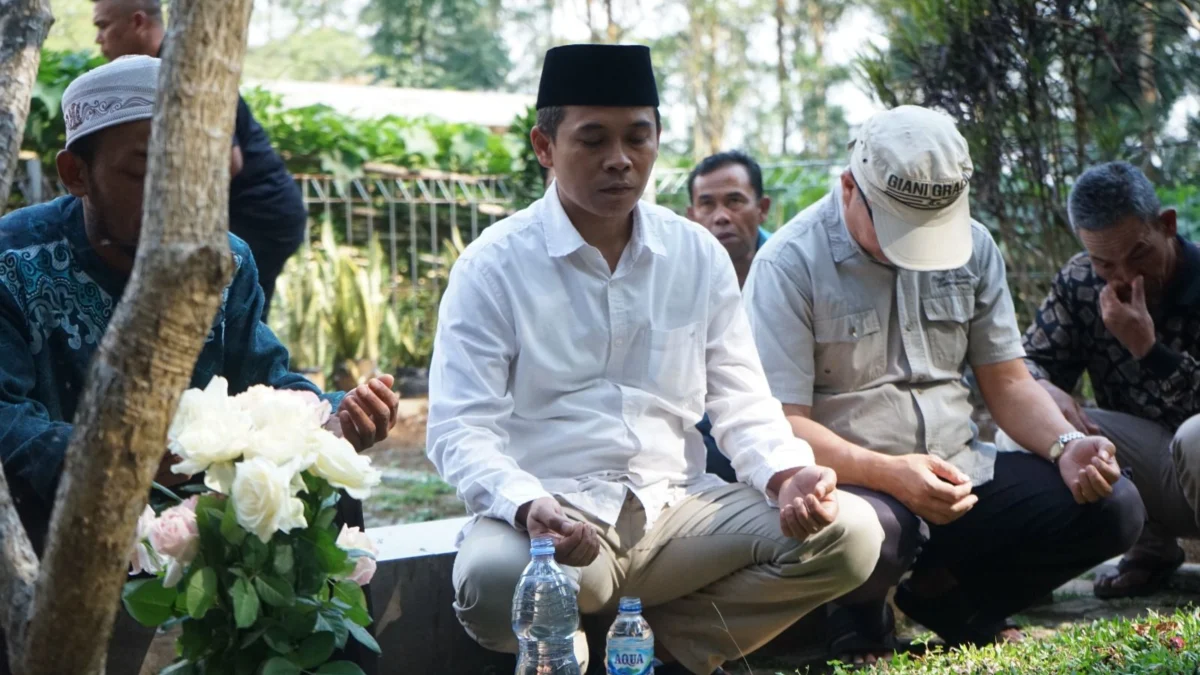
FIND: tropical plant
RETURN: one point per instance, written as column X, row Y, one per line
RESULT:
column 45, row 130
column 340, row 311
column 318, row 139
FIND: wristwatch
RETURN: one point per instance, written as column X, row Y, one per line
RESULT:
column 1056, row 450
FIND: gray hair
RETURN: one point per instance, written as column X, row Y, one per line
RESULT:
column 1109, row 193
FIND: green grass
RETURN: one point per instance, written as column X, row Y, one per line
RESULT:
column 412, row 500
column 1166, row 644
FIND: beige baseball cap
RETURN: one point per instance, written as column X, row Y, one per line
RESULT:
column 914, row 169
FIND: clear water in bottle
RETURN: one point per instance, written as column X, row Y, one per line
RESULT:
column 545, row 615
column 630, row 649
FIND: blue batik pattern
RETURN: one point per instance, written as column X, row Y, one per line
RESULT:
column 55, row 294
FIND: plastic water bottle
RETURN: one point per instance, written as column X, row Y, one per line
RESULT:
column 545, row 615
column 630, row 649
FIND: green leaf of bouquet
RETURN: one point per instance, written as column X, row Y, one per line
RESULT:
column 181, row 668
column 245, row 603
column 233, row 533
column 340, row 668
column 277, row 639
column 201, row 592
column 251, row 638
column 275, row 591
column 195, row 639
column 315, row 650
column 352, row 594
column 164, row 490
column 280, row 666
column 332, row 620
column 284, row 560
column 331, row 500
column 299, row 623
column 331, row 558
column 363, row 636
column 148, row 602
column 325, row 518
column 254, row 553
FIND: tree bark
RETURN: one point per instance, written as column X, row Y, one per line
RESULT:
column 150, row 348
column 785, row 103
column 23, row 27
column 816, row 26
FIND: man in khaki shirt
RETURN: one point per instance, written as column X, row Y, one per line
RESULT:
column 866, row 310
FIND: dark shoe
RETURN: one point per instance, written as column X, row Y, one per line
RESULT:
column 860, row 635
column 951, row 617
column 1138, row 574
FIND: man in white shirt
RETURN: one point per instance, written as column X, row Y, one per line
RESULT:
column 577, row 341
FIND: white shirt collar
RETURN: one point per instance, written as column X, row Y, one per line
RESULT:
column 562, row 239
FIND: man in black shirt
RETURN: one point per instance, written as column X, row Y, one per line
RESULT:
column 266, row 209
column 1127, row 311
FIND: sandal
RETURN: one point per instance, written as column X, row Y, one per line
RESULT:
column 1157, row 572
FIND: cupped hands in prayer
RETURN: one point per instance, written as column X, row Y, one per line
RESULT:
column 367, row 413
column 576, row 544
column 808, row 501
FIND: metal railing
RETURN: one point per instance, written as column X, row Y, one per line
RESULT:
column 409, row 213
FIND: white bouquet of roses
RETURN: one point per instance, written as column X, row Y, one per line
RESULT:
column 254, row 567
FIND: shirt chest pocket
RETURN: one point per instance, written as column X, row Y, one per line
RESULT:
column 673, row 367
column 850, row 351
column 947, row 325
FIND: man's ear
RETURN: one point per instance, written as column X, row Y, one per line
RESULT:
column 542, row 147
column 764, row 207
column 848, row 188
column 72, row 171
column 1170, row 221
column 691, row 215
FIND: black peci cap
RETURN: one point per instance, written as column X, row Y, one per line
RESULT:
column 600, row 75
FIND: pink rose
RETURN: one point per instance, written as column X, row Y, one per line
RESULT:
column 176, row 534
column 364, row 566
column 143, row 558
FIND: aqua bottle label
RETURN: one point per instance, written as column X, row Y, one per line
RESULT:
column 629, row 656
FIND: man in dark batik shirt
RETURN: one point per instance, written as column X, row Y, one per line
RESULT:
column 1128, row 313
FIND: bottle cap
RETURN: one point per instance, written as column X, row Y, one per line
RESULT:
column 541, row 546
column 630, row 605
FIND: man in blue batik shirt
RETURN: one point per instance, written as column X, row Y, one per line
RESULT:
column 726, row 193
column 63, row 269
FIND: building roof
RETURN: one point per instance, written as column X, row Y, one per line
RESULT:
column 492, row 109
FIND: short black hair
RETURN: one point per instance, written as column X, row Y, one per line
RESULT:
column 723, row 159
column 551, row 116
column 85, row 148
column 152, row 8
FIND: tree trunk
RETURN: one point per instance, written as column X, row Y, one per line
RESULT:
column 1148, row 84
column 816, row 26
column 149, row 349
column 23, row 27
column 785, row 103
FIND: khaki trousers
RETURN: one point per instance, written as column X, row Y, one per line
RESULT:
column 716, row 576
column 1164, row 464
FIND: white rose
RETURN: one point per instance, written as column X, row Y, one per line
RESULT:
column 208, row 428
column 281, row 408
column 338, row 463
column 263, row 498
